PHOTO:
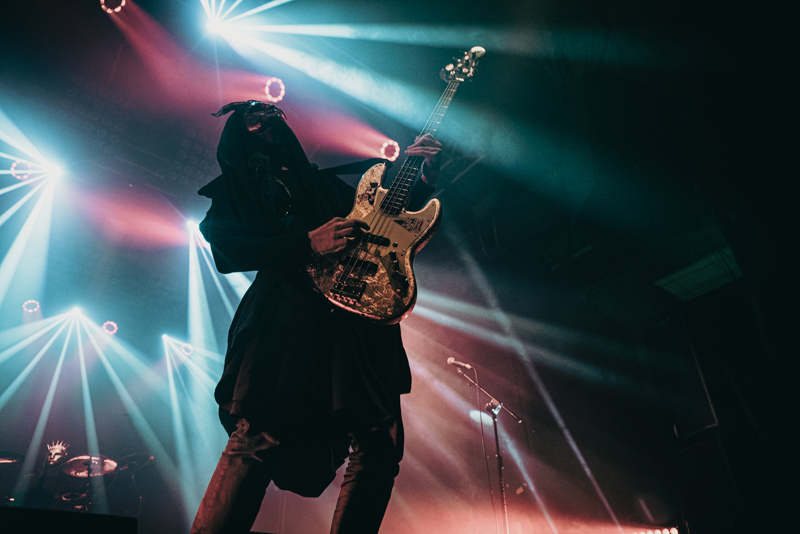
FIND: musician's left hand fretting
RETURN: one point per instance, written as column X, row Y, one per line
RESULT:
column 428, row 147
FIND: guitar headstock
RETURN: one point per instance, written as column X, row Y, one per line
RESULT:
column 464, row 67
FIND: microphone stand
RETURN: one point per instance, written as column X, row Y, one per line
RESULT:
column 493, row 407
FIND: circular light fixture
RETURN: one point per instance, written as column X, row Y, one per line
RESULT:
column 111, row 10
column 187, row 349
column 395, row 152
column 110, row 328
column 281, row 93
column 21, row 175
column 31, row 306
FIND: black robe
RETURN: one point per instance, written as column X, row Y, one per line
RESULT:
column 301, row 369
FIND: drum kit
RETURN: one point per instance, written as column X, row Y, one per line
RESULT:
column 67, row 484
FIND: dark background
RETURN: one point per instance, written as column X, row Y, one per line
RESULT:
column 655, row 139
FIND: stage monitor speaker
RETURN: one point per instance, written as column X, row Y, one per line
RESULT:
column 34, row 521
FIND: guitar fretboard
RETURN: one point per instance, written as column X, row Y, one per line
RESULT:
column 397, row 196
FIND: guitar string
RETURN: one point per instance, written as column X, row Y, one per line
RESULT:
column 392, row 197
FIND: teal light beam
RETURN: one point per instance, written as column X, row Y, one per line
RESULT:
column 574, row 44
column 13, row 209
column 17, row 158
column 398, row 100
column 163, row 461
column 233, row 6
column 206, row 8
column 45, row 326
column 32, row 455
column 259, row 9
column 225, row 300
column 11, row 135
column 14, row 255
column 128, row 356
column 22, row 183
column 14, row 386
column 189, row 488
column 98, row 484
column 200, row 327
column 518, row 347
column 239, row 282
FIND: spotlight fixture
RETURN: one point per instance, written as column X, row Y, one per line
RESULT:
column 21, row 175
column 395, row 152
column 54, row 171
column 106, row 6
column 187, row 349
column 110, row 328
column 76, row 310
column 281, row 92
column 31, row 306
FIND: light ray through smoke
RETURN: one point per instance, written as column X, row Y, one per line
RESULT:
column 28, row 466
column 163, row 461
column 223, row 295
column 200, row 326
column 21, row 184
column 518, row 347
column 17, row 382
column 256, row 10
column 185, row 459
column 582, row 45
column 11, row 135
column 17, row 338
column 13, row 258
column 98, row 483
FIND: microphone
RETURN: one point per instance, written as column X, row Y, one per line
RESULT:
column 453, row 361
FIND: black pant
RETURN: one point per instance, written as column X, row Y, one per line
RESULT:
column 233, row 497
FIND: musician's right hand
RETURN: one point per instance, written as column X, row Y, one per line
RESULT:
column 333, row 235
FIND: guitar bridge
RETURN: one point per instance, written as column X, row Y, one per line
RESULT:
column 348, row 292
column 349, row 287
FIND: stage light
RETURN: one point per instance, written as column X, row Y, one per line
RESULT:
column 54, row 171
column 395, row 152
column 76, row 310
column 31, row 306
column 110, row 328
column 192, row 225
column 214, row 25
column 106, row 6
column 281, row 92
column 21, row 175
column 187, row 349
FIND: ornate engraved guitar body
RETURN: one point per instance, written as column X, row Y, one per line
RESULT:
column 372, row 276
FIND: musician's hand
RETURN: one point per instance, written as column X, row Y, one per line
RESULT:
column 428, row 147
column 333, row 235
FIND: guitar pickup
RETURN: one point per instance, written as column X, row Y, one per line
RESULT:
column 356, row 268
column 378, row 240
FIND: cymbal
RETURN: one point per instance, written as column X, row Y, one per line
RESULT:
column 133, row 462
column 79, row 466
column 8, row 457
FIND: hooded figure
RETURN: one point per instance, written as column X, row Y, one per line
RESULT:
column 301, row 378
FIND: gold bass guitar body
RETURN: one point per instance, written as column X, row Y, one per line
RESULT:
column 373, row 276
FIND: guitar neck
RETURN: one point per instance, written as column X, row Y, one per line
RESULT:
column 395, row 200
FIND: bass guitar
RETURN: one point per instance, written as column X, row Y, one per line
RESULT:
column 372, row 276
